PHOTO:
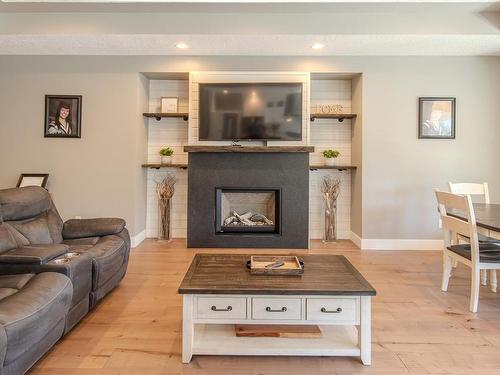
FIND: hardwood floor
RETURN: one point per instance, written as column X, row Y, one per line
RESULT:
column 417, row 329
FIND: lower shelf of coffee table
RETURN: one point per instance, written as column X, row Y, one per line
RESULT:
column 220, row 339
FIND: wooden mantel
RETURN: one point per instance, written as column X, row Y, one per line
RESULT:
column 254, row 149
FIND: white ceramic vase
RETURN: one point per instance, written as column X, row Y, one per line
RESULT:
column 166, row 159
column 330, row 161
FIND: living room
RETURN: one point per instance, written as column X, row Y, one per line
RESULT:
column 248, row 187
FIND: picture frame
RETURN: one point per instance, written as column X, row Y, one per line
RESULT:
column 436, row 118
column 63, row 116
column 169, row 105
column 32, row 179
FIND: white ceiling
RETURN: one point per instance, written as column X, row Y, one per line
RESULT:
column 435, row 28
column 251, row 45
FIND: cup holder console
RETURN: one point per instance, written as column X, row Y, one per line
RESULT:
column 61, row 260
column 66, row 258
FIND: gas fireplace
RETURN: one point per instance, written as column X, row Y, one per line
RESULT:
column 247, row 210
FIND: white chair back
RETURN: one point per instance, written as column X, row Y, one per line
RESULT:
column 466, row 188
column 453, row 226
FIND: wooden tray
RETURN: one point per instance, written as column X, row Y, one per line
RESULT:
column 268, row 330
column 292, row 266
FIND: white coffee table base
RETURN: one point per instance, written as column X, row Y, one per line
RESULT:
column 207, row 332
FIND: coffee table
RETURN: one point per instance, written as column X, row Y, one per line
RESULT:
column 219, row 292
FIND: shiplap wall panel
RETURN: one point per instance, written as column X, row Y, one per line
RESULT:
column 171, row 132
column 330, row 134
column 323, row 134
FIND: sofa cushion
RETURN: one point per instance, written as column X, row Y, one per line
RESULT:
column 108, row 256
column 35, row 230
column 10, row 284
column 78, row 228
column 90, row 241
column 34, row 254
column 7, row 240
column 24, row 203
column 32, row 215
column 30, row 314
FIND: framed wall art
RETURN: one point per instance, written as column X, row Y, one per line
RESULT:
column 436, row 118
column 63, row 116
column 32, row 179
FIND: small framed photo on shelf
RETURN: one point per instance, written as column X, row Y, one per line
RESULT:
column 63, row 116
column 169, row 105
column 32, row 179
column 436, row 118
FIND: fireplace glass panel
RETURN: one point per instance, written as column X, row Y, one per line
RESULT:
column 247, row 211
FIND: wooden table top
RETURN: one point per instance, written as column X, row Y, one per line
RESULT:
column 487, row 215
column 227, row 274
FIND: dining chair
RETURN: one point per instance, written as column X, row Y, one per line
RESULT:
column 474, row 189
column 484, row 256
column 467, row 188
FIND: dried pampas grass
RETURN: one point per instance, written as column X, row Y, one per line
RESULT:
column 165, row 189
column 330, row 189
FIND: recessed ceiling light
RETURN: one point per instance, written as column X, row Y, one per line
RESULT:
column 317, row 46
column 182, row 45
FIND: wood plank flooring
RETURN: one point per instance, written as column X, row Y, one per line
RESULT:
column 417, row 329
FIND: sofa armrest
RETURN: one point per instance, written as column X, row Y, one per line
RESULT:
column 33, row 254
column 79, row 228
column 3, row 347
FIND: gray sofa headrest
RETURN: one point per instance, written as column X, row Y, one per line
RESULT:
column 23, row 203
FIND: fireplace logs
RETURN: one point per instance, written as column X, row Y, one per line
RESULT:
column 248, row 218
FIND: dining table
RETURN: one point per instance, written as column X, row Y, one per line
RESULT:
column 487, row 218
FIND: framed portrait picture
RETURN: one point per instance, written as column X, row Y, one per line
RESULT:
column 32, row 179
column 63, row 116
column 436, row 118
column 169, row 105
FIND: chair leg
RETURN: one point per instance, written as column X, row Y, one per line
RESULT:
column 493, row 280
column 446, row 272
column 455, row 263
column 484, row 277
column 474, row 289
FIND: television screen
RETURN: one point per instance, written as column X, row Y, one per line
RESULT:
column 250, row 111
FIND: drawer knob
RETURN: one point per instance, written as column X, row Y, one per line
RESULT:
column 214, row 308
column 268, row 309
column 324, row 310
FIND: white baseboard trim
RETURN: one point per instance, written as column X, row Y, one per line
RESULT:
column 356, row 239
column 395, row 244
column 398, row 244
column 138, row 238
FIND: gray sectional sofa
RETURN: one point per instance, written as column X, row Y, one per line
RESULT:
column 51, row 273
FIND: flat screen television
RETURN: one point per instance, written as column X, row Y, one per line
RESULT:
column 250, row 111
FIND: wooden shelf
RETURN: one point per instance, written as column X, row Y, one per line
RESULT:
column 311, row 167
column 158, row 116
column 338, row 116
column 338, row 167
column 249, row 149
column 159, row 165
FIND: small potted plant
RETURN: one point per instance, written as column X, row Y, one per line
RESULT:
column 166, row 155
column 330, row 156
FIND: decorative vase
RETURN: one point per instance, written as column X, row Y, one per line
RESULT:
column 166, row 159
column 330, row 234
column 164, row 219
column 330, row 189
column 330, row 161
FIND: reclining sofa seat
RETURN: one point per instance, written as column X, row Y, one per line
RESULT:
column 33, row 226
column 33, row 311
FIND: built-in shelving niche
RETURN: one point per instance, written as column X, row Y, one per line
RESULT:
column 326, row 131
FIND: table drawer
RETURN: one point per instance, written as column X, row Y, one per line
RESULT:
column 221, row 308
column 343, row 310
column 276, row 308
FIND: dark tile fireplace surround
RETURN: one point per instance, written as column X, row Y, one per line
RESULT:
column 248, row 197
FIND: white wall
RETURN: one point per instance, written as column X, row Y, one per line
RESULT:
column 92, row 176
